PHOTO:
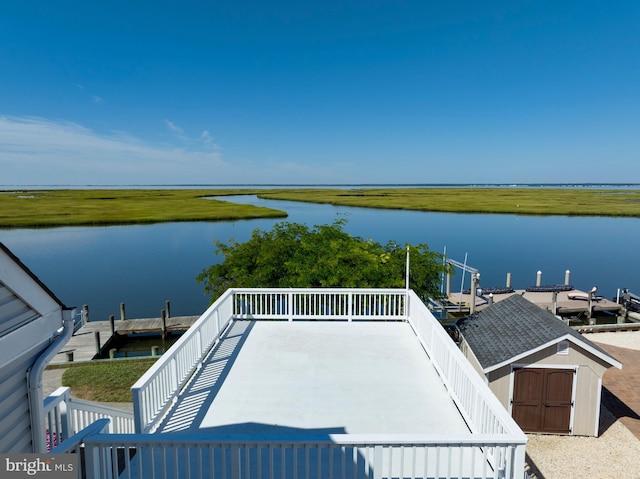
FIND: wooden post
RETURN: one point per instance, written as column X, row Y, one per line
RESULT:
column 589, row 313
column 85, row 313
column 539, row 278
column 448, row 284
column 567, row 277
column 96, row 335
column 163, row 316
column 167, row 308
column 112, row 324
column 508, row 280
column 122, row 315
column 554, row 306
column 472, row 304
column 490, row 299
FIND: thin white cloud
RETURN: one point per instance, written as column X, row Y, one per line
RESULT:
column 97, row 99
column 173, row 127
column 42, row 151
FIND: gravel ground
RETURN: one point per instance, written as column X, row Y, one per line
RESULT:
column 615, row 454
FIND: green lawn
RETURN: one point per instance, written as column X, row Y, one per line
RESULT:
column 105, row 381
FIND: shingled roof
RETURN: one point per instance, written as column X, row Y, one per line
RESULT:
column 514, row 328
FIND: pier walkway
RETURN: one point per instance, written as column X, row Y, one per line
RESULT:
column 83, row 344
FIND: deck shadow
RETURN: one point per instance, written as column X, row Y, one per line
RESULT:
column 194, row 401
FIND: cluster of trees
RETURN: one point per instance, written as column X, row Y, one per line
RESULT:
column 293, row 255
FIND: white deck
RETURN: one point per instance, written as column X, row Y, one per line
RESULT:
column 325, row 377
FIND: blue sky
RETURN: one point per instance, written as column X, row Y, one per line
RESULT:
column 331, row 92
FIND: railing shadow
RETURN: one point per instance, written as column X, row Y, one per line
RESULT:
column 194, row 401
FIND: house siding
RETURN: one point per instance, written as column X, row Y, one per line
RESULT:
column 13, row 311
column 15, row 426
column 590, row 370
column 468, row 353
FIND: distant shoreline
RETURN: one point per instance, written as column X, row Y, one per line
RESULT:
column 10, row 187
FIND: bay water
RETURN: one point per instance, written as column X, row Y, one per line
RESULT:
column 145, row 265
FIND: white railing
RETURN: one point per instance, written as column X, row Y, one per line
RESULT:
column 479, row 407
column 320, row 304
column 156, row 390
column 66, row 416
column 292, row 457
column 495, row 436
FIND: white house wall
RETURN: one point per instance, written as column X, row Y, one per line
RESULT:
column 13, row 311
column 15, row 424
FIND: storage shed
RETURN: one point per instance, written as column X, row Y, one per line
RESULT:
column 545, row 374
column 34, row 325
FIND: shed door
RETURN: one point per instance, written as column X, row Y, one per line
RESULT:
column 542, row 399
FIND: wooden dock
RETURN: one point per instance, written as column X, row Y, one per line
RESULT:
column 565, row 304
column 83, row 345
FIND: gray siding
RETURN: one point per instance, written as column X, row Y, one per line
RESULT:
column 13, row 311
column 15, row 425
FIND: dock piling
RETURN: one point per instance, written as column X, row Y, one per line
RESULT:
column 122, row 315
column 567, row 277
column 112, row 353
column 163, row 316
column 167, row 308
column 508, row 280
column 112, row 324
column 85, row 313
column 539, row 278
column 96, row 335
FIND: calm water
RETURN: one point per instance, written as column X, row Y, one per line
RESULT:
column 143, row 266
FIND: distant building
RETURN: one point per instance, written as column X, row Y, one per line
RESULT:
column 545, row 374
column 34, row 325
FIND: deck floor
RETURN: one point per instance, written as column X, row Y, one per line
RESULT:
column 325, row 377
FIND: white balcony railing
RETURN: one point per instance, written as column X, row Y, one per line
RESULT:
column 66, row 416
column 494, row 448
column 157, row 389
column 339, row 456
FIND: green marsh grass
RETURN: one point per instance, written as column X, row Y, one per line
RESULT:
column 522, row 201
column 19, row 209
column 52, row 208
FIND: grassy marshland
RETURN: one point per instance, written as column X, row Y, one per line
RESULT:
column 117, row 207
column 523, row 201
column 111, row 207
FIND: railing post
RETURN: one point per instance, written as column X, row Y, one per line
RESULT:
column 377, row 462
column 290, row 306
column 350, row 306
column 138, row 420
